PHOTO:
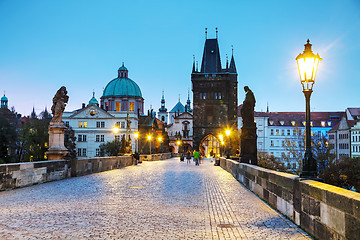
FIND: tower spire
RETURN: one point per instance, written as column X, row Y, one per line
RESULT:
column 205, row 33
column 232, row 67
column 227, row 62
column 193, row 70
column 216, row 33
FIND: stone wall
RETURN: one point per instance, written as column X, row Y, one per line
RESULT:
column 323, row 210
column 155, row 157
column 87, row 166
column 25, row 174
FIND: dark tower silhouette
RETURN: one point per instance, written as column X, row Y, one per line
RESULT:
column 214, row 94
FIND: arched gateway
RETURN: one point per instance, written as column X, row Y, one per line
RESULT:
column 209, row 144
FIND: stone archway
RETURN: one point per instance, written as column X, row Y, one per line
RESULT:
column 209, row 144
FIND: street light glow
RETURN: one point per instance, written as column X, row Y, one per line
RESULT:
column 136, row 135
column 115, row 130
column 160, row 139
column 149, row 137
column 221, row 137
column 178, row 142
column 227, row 132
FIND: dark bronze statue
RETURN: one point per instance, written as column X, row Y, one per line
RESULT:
column 59, row 102
column 248, row 152
column 247, row 110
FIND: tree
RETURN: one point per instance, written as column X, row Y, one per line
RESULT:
column 270, row 162
column 8, row 138
column 70, row 143
column 344, row 173
column 110, row 148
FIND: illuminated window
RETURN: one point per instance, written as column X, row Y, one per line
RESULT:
column 131, row 106
column 304, row 123
column 277, row 132
column 98, row 152
column 118, row 106
column 293, row 123
column 323, row 123
column 82, row 124
column 311, row 123
column 329, row 123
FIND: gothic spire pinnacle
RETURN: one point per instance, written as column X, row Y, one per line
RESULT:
column 216, row 33
column 205, row 33
column 193, row 70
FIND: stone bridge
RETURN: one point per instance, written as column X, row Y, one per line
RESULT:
column 154, row 200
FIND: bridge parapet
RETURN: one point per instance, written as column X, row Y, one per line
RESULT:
column 16, row 175
column 323, row 210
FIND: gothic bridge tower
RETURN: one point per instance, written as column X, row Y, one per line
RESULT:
column 214, row 95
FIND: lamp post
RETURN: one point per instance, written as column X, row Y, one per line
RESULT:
column 160, row 144
column 308, row 64
column 221, row 138
column 228, row 132
column 149, row 138
column 136, row 136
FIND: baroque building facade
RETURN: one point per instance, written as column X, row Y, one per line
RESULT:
column 121, row 105
column 214, row 98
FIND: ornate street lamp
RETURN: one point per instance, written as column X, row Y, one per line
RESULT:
column 149, row 138
column 308, row 64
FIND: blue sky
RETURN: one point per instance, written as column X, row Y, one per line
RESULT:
column 81, row 44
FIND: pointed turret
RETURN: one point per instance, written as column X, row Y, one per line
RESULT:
column 193, row 70
column 211, row 57
column 232, row 67
column 123, row 72
column 162, row 108
column 188, row 102
column 33, row 113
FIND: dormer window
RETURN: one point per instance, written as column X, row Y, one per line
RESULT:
column 323, row 123
column 271, row 122
column 293, row 123
column 282, row 123
column 329, row 123
column 304, row 123
column 311, row 123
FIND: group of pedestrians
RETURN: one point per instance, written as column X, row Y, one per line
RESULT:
column 198, row 157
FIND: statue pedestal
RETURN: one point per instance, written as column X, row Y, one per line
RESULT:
column 248, row 146
column 57, row 150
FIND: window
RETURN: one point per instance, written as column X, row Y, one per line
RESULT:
column 277, row 132
column 331, row 136
column 219, row 95
column 288, row 132
column 81, row 138
column 118, row 106
column 283, row 143
column 329, row 123
column 271, row 143
column 216, row 95
column 101, row 138
column 323, row 123
column 67, row 123
column 282, row 132
column 122, row 124
column 98, row 152
column 84, row 152
column 131, row 106
column 163, row 119
column 82, row 124
column 293, row 123
column 272, row 132
column 117, row 138
column 100, row 124
column 79, row 152
column 97, row 138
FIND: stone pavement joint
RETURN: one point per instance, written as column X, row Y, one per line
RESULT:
column 154, row 200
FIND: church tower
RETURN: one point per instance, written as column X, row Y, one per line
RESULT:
column 214, row 94
column 163, row 113
column 4, row 102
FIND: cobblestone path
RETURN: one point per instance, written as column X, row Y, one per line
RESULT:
column 154, row 200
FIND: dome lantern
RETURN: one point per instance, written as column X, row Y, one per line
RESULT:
column 122, row 72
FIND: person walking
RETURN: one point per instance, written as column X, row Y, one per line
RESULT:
column 188, row 157
column 196, row 157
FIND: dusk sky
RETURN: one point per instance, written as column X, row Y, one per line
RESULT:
column 80, row 44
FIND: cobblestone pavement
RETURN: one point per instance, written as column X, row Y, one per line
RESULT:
column 154, row 200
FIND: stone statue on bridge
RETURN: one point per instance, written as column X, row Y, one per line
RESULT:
column 248, row 151
column 57, row 149
column 59, row 103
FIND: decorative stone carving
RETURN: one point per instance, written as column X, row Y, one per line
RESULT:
column 248, row 151
column 57, row 150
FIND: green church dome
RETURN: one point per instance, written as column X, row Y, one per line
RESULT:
column 93, row 101
column 4, row 98
column 122, row 86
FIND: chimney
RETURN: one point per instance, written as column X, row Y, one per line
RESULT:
column 83, row 105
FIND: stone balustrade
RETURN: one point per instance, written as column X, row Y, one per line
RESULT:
column 16, row 175
column 29, row 173
column 323, row 210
